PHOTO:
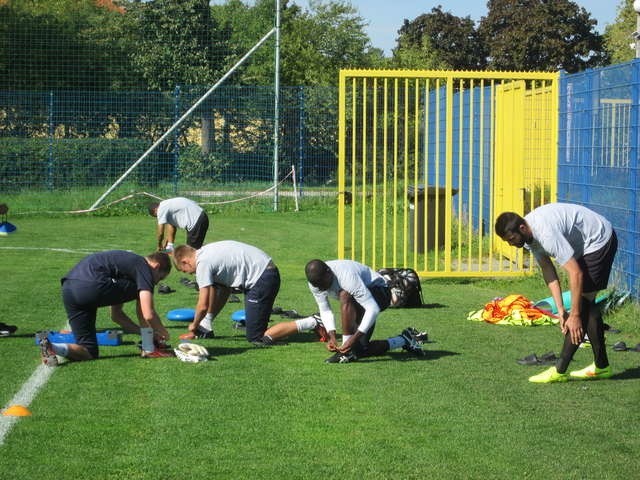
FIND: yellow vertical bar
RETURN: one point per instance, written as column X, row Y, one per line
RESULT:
column 482, row 180
column 395, row 170
column 405, row 172
column 471, row 179
column 555, row 111
column 461, row 93
column 363, row 169
column 425, row 175
column 385, row 159
column 492, row 183
column 354, row 153
column 374, row 176
column 448, row 174
column 341, row 161
column 436, row 175
column 416, row 164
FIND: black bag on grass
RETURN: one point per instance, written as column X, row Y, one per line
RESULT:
column 406, row 291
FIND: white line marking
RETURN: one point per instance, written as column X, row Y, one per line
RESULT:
column 24, row 397
column 63, row 250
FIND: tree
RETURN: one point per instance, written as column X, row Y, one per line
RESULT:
column 315, row 43
column 618, row 36
column 541, row 35
column 318, row 43
column 178, row 42
column 439, row 40
column 43, row 41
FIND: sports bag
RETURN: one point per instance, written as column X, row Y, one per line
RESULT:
column 406, row 291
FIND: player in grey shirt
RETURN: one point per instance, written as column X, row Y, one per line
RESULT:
column 363, row 293
column 179, row 212
column 226, row 266
column 584, row 244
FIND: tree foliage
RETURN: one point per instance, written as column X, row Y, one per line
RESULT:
column 440, row 40
column 540, row 35
column 176, row 42
column 318, row 43
column 61, row 44
column 515, row 35
column 619, row 35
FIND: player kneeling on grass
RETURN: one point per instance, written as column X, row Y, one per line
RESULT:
column 363, row 294
column 584, row 244
column 221, row 267
column 110, row 278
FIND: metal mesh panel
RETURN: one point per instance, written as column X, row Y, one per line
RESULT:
column 598, row 155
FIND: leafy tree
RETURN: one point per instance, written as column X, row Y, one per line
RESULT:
column 60, row 44
column 618, row 36
column 315, row 44
column 541, row 35
column 177, row 42
column 440, row 40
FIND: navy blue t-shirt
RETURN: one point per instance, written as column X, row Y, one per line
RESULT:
column 113, row 265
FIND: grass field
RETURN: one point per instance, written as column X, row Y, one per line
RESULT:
column 464, row 411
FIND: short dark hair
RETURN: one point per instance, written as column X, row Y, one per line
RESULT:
column 152, row 207
column 508, row 222
column 315, row 270
column 163, row 260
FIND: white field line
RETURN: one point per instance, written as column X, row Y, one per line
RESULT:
column 24, row 397
column 49, row 249
column 41, row 374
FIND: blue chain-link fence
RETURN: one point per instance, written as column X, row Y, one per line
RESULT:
column 599, row 140
column 66, row 140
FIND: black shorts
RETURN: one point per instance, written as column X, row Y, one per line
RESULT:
column 195, row 236
column 258, row 303
column 596, row 266
column 83, row 298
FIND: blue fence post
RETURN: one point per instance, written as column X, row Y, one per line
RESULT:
column 49, row 182
column 176, row 139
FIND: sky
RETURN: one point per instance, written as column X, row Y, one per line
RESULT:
column 385, row 17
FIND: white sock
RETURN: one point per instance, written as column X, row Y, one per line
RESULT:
column 61, row 349
column 147, row 339
column 396, row 342
column 345, row 338
column 207, row 322
column 306, row 323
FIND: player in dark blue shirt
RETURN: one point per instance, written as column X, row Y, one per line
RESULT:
column 110, row 278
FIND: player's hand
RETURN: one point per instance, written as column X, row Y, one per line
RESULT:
column 332, row 345
column 161, row 334
column 346, row 346
column 573, row 328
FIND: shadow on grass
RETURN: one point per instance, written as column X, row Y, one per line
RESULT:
column 628, row 374
column 408, row 357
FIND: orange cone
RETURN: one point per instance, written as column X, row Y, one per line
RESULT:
column 17, row 411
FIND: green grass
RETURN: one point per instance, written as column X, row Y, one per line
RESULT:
column 465, row 411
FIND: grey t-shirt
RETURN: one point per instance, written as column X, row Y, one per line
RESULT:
column 230, row 263
column 564, row 231
column 179, row 212
column 356, row 279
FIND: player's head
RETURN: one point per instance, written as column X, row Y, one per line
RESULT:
column 152, row 208
column 160, row 263
column 319, row 274
column 512, row 228
column 184, row 258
